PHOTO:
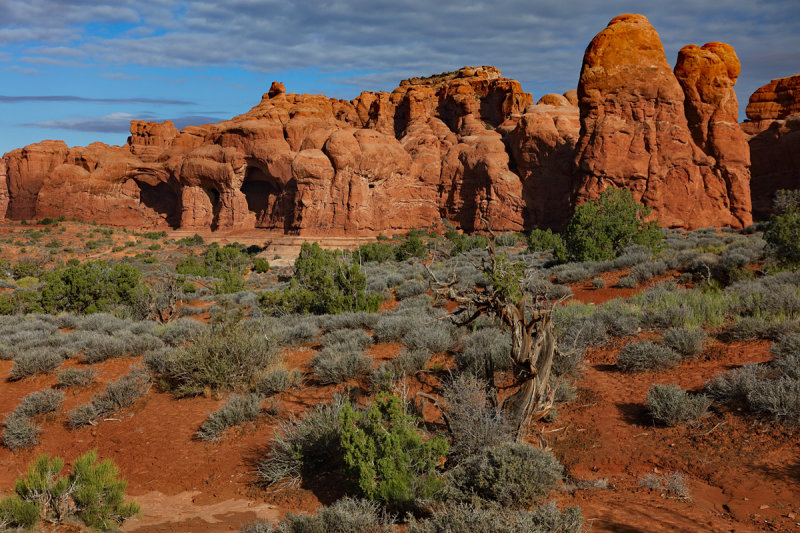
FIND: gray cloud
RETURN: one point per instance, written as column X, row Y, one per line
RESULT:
column 354, row 42
column 4, row 99
column 117, row 122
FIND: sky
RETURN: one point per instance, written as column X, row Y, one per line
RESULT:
column 81, row 70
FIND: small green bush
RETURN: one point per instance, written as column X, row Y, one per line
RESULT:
column 599, row 230
column 646, row 355
column 670, row 405
column 325, row 282
column 15, row 513
column 378, row 252
column 386, row 456
column 92, row 492
column 260, row 265
column 99, row 494
column 412, row 245
column 195, row 240
column 90, row 287
column 544, row 241
column 783, row 237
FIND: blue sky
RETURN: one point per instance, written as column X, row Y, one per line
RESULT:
column 80, row 70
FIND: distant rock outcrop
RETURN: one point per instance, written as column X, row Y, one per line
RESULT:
column 773, row 126
column 635, row 133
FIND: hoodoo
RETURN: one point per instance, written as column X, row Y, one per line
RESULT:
column 669, row 137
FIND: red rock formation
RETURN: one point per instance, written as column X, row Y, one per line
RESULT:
column 779, row 99
column 542, row 145
column 3, row 189
column 26, row 171
column 707, row 76
column 301, row 163
column 773, row 127
column 635, row 132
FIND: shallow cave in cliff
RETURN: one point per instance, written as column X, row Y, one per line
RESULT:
column 260, row 191
column 161, row 199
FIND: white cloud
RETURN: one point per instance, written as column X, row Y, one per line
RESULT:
column 540, row 43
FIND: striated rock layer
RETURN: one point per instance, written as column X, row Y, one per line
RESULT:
column 669, row 137
column 467, row 146
column 773, row 127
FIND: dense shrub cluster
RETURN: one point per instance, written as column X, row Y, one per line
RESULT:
column 229, row 355
column 324, row 282
column 82, row 288
column 783, row 237
column 601, row 229
column 386, row 456
column 513, row 474
column 544, row 241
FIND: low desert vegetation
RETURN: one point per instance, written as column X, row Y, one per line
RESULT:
column 478, row 332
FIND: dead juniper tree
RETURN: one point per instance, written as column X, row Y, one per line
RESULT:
column 528, row 317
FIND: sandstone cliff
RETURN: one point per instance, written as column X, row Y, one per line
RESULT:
column 773, row 127
column 671, row 138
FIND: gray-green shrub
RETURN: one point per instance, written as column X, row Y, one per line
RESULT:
column 686, row 341
column 36, row 361
column 346, row 515
column 646, row 355
column 467, row 518
column 310, row 445
column 117, row 395
column 514, row 474
column 670, row 405
column 75, row 377
column 237, row 410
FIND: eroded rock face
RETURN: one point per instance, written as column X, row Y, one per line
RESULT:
column 27, row 169
column 635, row 133
column 300, row 163
column 3, row 189
column 777, row 100
column 773, row 128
